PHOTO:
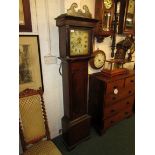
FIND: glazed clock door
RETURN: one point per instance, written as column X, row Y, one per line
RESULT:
column 107, row 14
column 104, row 11
column 78, row 42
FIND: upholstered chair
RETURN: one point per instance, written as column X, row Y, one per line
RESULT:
column 34, row 131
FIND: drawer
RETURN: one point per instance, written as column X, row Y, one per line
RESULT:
column 122, row 94
column 113, row 109
column 118, row 117
column 130, row 81
column 125, row 92
column 112, row 98
column 118, row 106
column 129, row 101
column 114, row 85
column 129, row 91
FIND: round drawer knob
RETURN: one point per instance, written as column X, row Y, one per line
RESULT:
column 115, row 91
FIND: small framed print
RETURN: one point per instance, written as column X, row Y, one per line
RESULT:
column 30, row 72
column 24, row 16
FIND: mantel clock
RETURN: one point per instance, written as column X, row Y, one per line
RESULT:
column 75, row 46
column 98, row 59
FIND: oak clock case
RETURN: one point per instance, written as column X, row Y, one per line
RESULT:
column 75, row 46
column 104, row 12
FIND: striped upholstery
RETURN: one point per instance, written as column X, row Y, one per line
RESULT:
column 43, row 148
column 31, row 118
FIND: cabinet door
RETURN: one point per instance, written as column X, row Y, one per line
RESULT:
column 78, row 91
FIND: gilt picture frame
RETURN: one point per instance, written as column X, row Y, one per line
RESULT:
column 30, row 71
column 24, row 16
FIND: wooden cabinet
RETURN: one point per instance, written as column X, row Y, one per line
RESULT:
column 111, row 99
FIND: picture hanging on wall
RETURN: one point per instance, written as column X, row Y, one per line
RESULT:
column 24, row 16
column 30, row 72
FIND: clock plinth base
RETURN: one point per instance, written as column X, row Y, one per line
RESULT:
column 75, row 131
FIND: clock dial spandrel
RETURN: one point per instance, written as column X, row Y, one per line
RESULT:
column 107, row 4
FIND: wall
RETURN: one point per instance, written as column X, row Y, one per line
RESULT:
column 43, row 13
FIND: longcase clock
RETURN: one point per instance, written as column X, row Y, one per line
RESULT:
column 75, row 46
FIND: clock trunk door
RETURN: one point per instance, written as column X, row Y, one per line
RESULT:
column 79, row 79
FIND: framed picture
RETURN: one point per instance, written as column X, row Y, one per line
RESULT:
column 24, row 16
column 30, row 72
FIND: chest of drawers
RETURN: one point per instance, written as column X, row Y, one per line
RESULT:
column 111, row 99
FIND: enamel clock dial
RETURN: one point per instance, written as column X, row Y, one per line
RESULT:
column 78, row 42
column 98, row 59
column 108, row 4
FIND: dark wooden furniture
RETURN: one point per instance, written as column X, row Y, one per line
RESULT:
column 34, row 131
column 76, row 121
column 111, row 99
